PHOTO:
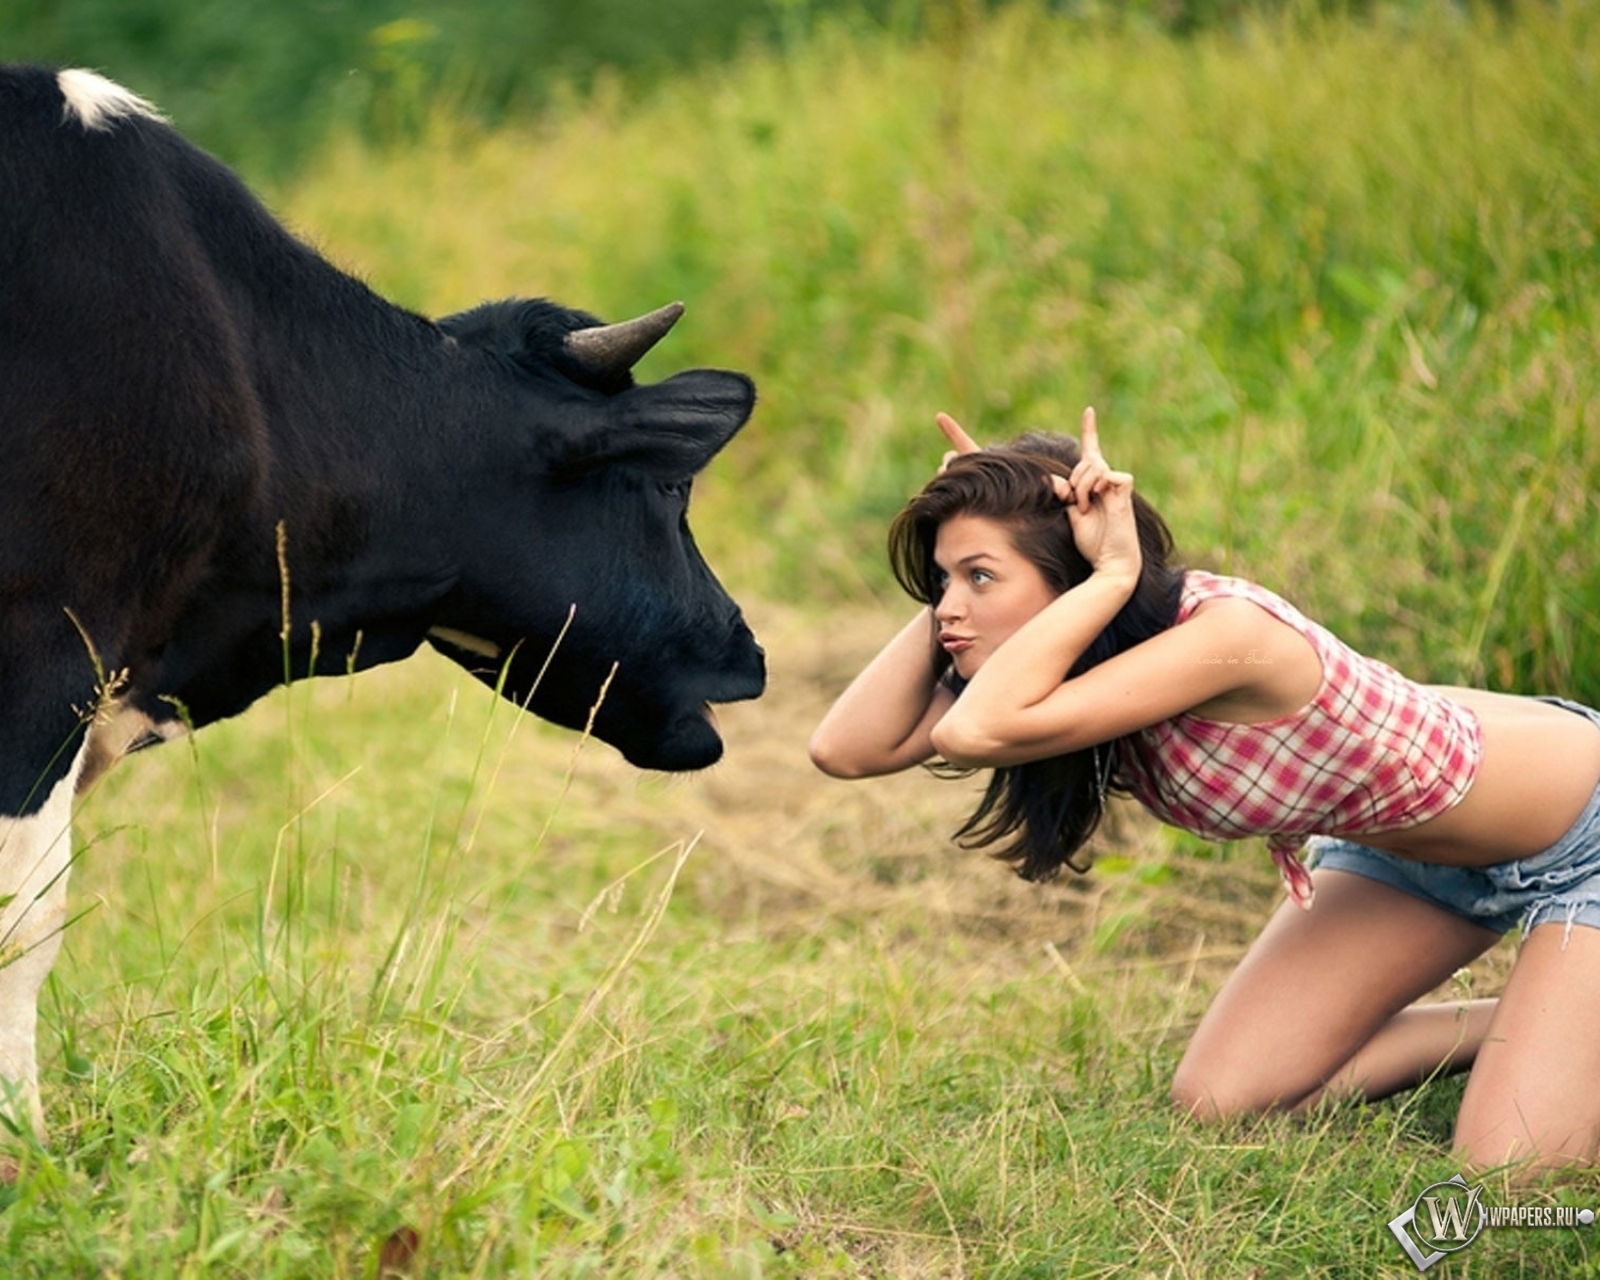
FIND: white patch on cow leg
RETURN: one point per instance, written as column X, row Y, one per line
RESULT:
column 117, row 729
column 98, row 103
column 35, row 855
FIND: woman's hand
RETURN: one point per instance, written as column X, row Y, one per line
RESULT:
column 1099, row 504
column 1099, row 501
column 960, row 441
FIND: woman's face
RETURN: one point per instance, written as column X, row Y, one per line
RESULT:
column 989, row 589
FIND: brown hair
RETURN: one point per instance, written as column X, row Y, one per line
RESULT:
column 1049, row 808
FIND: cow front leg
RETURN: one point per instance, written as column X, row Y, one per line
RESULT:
column 35, row 856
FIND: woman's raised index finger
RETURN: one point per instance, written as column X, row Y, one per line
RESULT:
column 1089, row 434
column 956, row 435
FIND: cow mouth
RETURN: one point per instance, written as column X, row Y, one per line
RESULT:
column 672, row 734
column 691, row 736
column 687, row 740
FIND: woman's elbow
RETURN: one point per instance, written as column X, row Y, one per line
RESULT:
column 833, row 757
column 963, row 745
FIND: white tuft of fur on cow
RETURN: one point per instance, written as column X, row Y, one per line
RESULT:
column 98, row 103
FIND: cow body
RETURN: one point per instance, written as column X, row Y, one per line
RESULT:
column 224, row 464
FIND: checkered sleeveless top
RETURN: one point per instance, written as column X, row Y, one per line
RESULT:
column 1370, row 752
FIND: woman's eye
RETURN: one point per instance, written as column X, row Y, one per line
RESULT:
column 981, row 577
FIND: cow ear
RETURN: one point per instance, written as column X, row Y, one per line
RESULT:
column 670, row 429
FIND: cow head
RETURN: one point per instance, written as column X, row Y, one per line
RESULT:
column 580, row 581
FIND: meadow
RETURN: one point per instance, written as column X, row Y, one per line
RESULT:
column 381, row 978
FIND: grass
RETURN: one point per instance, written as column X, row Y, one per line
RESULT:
column 383, row 978
column 540, row 1015
column 1330, row 285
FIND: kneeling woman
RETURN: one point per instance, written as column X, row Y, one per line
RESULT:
column 1060, row 648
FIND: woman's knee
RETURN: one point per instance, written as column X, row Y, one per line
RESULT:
column 1194, row 1099
column 1209, row 1093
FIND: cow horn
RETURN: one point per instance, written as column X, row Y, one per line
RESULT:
column 616, row 348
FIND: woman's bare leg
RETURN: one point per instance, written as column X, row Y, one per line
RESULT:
column 1421, row 1041
column 1532, row 1097
column 1317, row 1001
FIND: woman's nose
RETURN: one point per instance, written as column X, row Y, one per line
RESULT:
column 950, row 607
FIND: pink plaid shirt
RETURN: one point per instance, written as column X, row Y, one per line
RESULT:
column 1370, row 752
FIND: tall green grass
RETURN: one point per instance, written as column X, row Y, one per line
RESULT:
column 1330, row 283
column 382, row 978
column 473, row 999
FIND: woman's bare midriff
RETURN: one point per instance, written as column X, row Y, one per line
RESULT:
column 1541, row 763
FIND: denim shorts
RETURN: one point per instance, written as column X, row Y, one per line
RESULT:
column 1560, row 884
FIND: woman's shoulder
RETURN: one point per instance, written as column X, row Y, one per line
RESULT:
column 1214, row 593
column 1201, row 586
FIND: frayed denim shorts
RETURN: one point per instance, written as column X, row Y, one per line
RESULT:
column 1559, row 885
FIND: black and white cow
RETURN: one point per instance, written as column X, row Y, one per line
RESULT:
column 224, row 463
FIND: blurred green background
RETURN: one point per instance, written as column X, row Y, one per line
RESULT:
column 264, row 83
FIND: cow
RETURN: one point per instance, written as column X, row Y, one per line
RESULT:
column 226, row 464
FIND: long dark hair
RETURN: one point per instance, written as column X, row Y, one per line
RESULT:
column 1047, row 808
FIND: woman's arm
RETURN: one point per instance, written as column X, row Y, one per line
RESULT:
column 997, row 719
column 1230, row 661
column 1229, row 658
column 1031, row 665
column 882, row 722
